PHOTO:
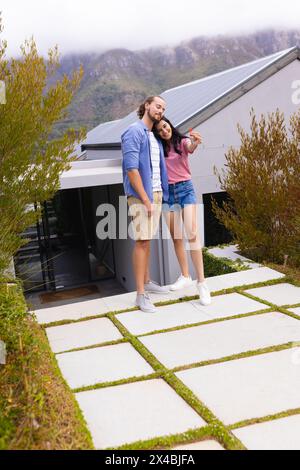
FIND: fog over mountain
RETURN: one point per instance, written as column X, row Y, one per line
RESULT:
column 116, row 81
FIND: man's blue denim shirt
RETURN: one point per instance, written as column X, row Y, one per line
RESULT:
column 136, row 155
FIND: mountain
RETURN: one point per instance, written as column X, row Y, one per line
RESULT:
column 116, row 81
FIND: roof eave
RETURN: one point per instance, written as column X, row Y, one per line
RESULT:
column 105, row 146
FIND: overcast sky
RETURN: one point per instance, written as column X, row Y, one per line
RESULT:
column 97, row 25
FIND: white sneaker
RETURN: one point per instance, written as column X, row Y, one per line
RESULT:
column 181, row 283
column 204, row 293
column 144, row 303
column 155, row 288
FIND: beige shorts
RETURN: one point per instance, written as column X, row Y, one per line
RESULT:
column 143, row 227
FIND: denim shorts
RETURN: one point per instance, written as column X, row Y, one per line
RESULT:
column 180, row 195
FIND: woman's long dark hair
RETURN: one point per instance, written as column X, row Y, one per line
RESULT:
column 175, row 139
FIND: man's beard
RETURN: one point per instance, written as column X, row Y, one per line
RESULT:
column 153, row 118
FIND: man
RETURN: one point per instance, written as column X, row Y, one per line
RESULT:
column 146, row 185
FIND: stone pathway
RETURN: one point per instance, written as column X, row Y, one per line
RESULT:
column 218, row 377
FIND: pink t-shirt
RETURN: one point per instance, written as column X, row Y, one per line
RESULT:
column 178, row 167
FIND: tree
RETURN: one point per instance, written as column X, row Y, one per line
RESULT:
column 262, row 181
column 30, row 162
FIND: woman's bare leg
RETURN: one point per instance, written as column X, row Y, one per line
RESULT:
column 173, row 221
column 192, row 232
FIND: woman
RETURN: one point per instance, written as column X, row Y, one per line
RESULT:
column 182, row 204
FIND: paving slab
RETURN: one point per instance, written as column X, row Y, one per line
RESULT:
column 167, row 316
column 174, row 295
column 127, row 301
column 252, row 387
column 186, row 313
column 104, row 364
column 218, row 340
column 240, row 278
column 251, row 276
column 72, row 311
column 279, row 434
column 201, row 445
column 120, row 302
column 228, row 305
column 137, row 411
column 215, row 283
column 82, row 334
column 279, row 294
column 82, row 309
column 231, row 252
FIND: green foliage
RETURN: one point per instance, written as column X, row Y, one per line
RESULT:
column 262, row 181
column 37, row 409
column 30, row 163
column 16, row 376
column 215, row 266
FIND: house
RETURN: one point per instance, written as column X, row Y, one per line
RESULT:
column 65, row 250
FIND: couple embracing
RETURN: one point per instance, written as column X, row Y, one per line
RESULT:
column 156, row 171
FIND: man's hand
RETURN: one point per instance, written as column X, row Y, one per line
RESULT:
column 149, row 207
column 137, row 184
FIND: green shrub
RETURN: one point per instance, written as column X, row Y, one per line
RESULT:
column 31, row 162
column 18, row 399
column 262, row 181
column 215, row 266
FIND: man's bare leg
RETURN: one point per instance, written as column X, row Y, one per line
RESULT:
column 140, row 263
column 147, row 272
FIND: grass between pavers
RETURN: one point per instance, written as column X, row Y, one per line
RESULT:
column 270, row 307
column 168, row 330
column 233, row 357
column 167, row 442
column 215, row 428
column 129, row 380
column 283, row 309
column 160, row 373
column 94, row 346
column 69, row 321
column 207, row 322
column 230, row 290
column 220, row 430
column 264, row 419
column 286, row 311
column 64, row 437
column 87, row 318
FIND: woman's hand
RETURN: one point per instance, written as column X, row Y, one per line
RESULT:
column 196, row 139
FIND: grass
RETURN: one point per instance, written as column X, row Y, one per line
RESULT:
column 233, row 357
column 167, row 442
column 250, row 422
column 220, row 431
column 38, row 410
column 292, row 272
column 215, row 429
